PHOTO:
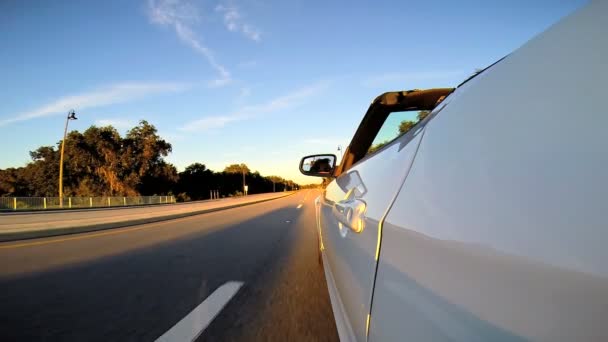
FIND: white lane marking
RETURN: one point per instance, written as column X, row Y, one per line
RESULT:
column 191, row 326
column 300, row 206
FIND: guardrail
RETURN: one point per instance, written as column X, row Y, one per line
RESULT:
column 43, row 203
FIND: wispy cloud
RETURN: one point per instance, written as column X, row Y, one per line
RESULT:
column 411, row 77
column 181, row 15
column 117, row 123
column 117, row 93
column 212, row 122
column 292, row 99
column 284, row 102
column 233, row 20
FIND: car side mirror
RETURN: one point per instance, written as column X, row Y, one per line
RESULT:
column 318, row 165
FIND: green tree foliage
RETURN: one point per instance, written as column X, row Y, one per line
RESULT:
column 403, row 128
column 12, row 182
column 276, row 179
column 406, row 125
column 376, row 147
column 99, row 161
column 423, row 114
column 144, row 160
column 237, row 168
column 196, row 182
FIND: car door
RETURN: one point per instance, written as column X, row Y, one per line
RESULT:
column 499, row 231
column 351, row 212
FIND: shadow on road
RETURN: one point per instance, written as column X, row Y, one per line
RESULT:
column 287, row 301
column 141, row 293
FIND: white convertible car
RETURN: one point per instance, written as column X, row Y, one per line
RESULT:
column 478, row 213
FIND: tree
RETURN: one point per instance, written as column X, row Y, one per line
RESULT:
column 275, row 180
column 196, row 181
column 94, row 163
column 39, row 178
column 423, row 114
column 405, row 126
column 236, row 169
column 196, row 168
column 11, row 182
column 376, row 147
column 97, row 162
column 143, row 156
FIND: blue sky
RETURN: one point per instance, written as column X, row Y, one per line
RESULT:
column 253, row 81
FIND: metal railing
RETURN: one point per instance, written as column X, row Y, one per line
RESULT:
column 43, row 203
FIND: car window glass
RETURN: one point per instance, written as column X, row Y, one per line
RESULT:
column 397, row 124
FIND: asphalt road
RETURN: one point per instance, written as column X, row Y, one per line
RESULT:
column 137, row 283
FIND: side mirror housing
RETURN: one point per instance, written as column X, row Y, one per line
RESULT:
column 318, row 165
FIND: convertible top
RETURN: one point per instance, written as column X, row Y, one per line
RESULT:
column 413, row 99
column 377, row 113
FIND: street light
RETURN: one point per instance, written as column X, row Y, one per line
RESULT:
column 71, row 116
column 244, row 184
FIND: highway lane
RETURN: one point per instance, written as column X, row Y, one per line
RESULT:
column 137, row 283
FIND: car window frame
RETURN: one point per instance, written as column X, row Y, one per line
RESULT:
column 377, row 114
column 402, row 139
column 390, row 142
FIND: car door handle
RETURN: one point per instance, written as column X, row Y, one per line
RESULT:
column 351, row 213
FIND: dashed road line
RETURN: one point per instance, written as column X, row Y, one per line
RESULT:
column 191, row 326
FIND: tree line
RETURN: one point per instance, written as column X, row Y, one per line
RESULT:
column 101, row 162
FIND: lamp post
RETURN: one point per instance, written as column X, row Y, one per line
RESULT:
column 71, row 116
column 244, row 185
